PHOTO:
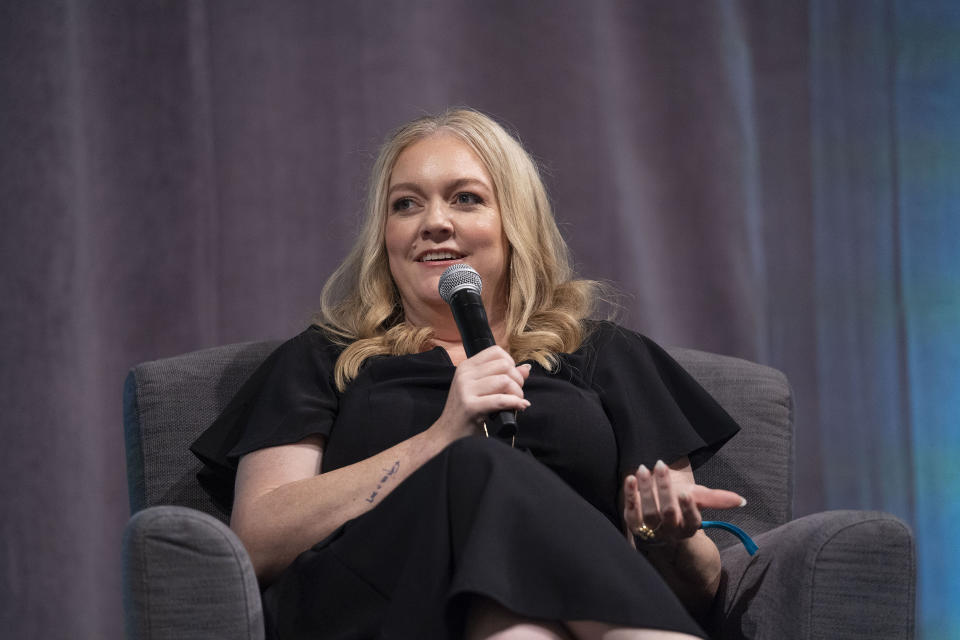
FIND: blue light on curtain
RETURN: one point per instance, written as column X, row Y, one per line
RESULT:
column 886, row 184
column 928, row 186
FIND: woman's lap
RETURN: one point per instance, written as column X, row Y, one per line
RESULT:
column 479, row 518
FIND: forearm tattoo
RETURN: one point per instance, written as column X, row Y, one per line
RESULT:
column 387, row 473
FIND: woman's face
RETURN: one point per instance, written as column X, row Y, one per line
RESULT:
column 441, row 210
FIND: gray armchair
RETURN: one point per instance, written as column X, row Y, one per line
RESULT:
column 837, row 574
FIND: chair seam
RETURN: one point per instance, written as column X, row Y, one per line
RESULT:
column 145, row 583
column 143, row 456
column 791, row 450
column 142, row 428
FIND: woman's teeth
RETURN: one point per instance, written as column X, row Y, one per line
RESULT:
column 438, row 256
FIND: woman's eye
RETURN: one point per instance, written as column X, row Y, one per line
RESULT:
column 468, row 198
column 402, row 204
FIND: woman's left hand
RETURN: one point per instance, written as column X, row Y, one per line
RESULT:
column 667, row 501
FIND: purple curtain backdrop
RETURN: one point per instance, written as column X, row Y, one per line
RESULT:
column 177, row 175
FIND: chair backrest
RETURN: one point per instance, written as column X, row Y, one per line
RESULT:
column 169, row 402
column 757, row 463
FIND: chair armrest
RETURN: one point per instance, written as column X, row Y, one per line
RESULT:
column 836, row 574
column 186, row 575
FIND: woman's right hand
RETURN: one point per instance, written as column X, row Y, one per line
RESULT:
column 487, row 382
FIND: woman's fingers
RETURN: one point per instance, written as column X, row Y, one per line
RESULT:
column 631, row 504
column 494, row 361
column 499, row 383
column 715, row 498
column 690, row 514
column 493, row 392
column 671, row 507
column 631, row 500
column 524, row 370
column 488, row 404
column 485, row 383
column 501, row 368
column 649, row 511
column 491, row 355
column 666, row 496
column 491, row 381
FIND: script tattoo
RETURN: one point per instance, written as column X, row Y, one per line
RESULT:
column 386, row 476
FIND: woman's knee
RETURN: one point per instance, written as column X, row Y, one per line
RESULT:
column 488, row 620
column 592, row 630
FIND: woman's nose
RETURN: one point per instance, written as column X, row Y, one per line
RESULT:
column 436, row 221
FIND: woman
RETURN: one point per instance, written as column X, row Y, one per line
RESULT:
column 365, row 490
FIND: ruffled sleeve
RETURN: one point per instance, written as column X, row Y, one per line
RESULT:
column 290, row 396
column 658, row 411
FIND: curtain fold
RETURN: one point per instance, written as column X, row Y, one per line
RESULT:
column 860, row 347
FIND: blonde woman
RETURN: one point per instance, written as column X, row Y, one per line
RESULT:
column 356, row 465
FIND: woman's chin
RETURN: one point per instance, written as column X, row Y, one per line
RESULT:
column 426, row 305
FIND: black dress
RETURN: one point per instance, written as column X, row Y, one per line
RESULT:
column 535, row 527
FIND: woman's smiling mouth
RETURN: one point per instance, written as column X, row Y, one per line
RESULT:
column 439, row 256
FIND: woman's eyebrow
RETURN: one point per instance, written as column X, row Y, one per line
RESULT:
column 466, row 182
column 405, row 186
column 452, row 186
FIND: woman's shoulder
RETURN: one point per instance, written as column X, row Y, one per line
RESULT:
column 605, row 334
column 598, row 338
column 312, row 352
column 288, row 396
column 610, row 346
column 315, row 340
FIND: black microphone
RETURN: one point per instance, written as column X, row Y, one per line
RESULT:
column 460, row 287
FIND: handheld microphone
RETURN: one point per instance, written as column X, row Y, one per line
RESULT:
column 460, row 287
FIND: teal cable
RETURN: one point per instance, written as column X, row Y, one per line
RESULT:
column 747, row 541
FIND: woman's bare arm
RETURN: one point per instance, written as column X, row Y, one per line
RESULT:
column 283, row 505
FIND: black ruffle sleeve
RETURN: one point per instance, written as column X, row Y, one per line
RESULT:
column 290, row 396
column 658, row 411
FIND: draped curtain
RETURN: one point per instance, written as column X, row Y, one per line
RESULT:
column 774, row 181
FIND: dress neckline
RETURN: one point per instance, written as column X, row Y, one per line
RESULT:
column 443, row 355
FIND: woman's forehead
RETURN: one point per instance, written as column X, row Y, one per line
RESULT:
column 439, row 157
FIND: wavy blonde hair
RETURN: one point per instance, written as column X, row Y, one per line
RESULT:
column 360, row 304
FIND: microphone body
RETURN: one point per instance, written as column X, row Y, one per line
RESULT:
column 460, row 287
column 471, row 317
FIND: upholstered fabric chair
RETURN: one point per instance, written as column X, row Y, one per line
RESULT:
column 837, row 574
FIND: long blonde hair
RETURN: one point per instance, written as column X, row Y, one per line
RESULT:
column 360, row 305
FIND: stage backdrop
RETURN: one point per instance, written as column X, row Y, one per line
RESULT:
column 771, row 180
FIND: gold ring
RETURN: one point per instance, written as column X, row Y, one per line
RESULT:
column 645, row 533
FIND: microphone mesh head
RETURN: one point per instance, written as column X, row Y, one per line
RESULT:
column 456, row 277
